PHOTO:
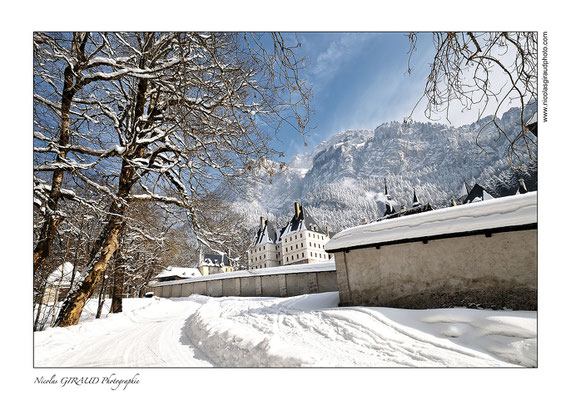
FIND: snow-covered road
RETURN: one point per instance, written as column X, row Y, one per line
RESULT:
column 150, row 336
column 308, row 330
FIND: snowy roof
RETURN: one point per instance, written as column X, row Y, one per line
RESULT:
column 215, row 259
column 287, row 269
column 477, row 193
column 266, row 234
column 300, row 222
column 181, row 272
column 495, row 213
column 63, row 274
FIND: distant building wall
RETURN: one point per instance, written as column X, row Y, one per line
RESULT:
column 493, row 271
column 272, row 285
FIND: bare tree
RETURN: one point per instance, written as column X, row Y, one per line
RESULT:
column 485, row 69
column 192, row 112
column 65, row 66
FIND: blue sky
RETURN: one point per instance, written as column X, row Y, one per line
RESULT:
column 360, row 81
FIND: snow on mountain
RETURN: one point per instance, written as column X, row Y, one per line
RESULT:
column 341, row 182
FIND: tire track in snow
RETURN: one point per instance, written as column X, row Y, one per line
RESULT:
column 132, row 339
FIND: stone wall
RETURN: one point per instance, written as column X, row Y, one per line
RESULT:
column 271, row 285
column 489, row 271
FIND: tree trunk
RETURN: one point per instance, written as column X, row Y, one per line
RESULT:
column 109, row 239
column 40, row 301
column 101, row 301
column 118, row 282
column 73, row 306
column 53, row 221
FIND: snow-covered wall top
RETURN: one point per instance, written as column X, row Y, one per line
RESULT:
column 182, row 272
column 287, row 269
column 503, row 212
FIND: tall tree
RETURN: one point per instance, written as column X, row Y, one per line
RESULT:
column 66, row 65
column 199, row 111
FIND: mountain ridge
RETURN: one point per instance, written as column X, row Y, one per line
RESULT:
column 341, row 181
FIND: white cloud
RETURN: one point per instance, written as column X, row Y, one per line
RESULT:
column 329, row 61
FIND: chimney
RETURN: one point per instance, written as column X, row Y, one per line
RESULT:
column 297, row 209
column 262, row 222
column 453, row 202
column 327, row 231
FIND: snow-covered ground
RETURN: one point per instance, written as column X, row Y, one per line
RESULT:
column 301, row 331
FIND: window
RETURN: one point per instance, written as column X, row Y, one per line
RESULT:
column 287, row 258
column 302, row 245
column 297, row 256
column 302, row 255
column 318, row 245
column 296, row 246
column 311, row 253
column 319, row 255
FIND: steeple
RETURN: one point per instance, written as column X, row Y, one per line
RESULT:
column 468, row 188
column 415, row 202
column 388, row 196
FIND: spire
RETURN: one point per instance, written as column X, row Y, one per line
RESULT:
column 468, row 188
column 388, row 196
column 415, row 202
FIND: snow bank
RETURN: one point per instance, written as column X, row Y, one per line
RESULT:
column 302, row 331
column 490, row 214
column 309, row 330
